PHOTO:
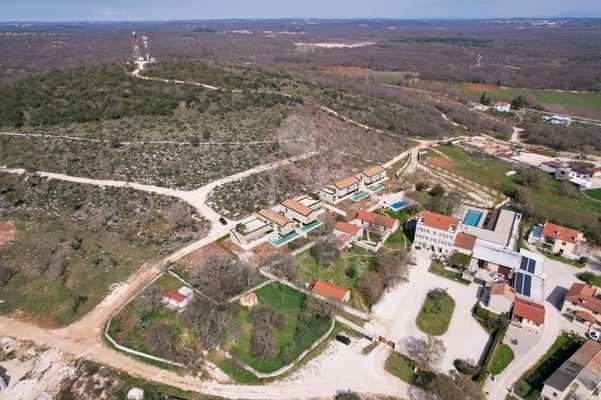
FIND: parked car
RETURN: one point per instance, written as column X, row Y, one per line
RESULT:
column 343, row 339
column 594, row 335
column 222, row 221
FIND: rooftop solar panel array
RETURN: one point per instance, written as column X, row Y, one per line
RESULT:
column 528, row 264
column 523, row 284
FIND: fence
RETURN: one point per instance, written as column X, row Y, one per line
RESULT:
column 293, row 363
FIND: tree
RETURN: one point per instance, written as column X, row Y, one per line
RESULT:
column 531, row 178
column 455, row 387
column 484, row 99
column 348, row 395
column 324, row 251
column 467, row 367
column 419, row 186
column 284, row 265
column 437, row 191
column 518, row 102
column 426, row 352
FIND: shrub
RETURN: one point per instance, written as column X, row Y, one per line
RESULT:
column 587, row 277
column 351, row 272
column 467, row 367
column 419, row 186
column 437, row 191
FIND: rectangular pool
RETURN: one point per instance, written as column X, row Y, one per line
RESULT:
column 472, row 217
column 360, row 196
column 398, row 205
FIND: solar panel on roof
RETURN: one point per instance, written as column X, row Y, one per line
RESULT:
column 518, row 282
column 531, row 265
column 527, row 285
column 524, row 263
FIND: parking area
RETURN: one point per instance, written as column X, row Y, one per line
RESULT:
column 395, row 314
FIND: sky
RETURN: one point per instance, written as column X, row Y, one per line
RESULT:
column 130, row 10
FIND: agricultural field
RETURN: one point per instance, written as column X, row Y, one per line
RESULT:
column 73, row 242
column 535, row 193
column 501, row 93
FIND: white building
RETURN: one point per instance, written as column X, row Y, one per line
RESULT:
column 435, row 232
column 502, row 107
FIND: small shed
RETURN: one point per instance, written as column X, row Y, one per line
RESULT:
column 249, row 300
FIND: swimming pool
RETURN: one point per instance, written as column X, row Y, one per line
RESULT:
column 398, row 205
column 472, row 217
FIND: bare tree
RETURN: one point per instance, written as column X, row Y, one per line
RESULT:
column 426, row 352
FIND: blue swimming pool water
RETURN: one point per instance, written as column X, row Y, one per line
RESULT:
column 398, row 205
column 472, row 218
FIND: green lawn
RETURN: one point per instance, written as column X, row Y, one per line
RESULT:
column 369, row 348
column 594, row 193
column 129, row 327
column 483, row 169
column 401, row 366
column 530, row 384
column 503, row 356
column 290, row 302
column 438, row 269
column 399, row 239
column 590, row 278
column 358, row 258
column 435, row 316
column 588, row 99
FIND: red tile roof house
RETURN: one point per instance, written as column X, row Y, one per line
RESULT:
column 582, row 306
column 179, row 299
column 346, row 234
column 249, row 300
column 436, row 232
column 528, row 315
column 331, row 291
column 381, row 225
column 565, row 241
column 501, row 297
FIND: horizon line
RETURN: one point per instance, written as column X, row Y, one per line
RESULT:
column 303, row 18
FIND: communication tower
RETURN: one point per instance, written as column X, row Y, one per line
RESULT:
column 135, row 46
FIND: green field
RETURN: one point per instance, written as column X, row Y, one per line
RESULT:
column 559, row 201
column 435, row 316
column 358, row 258
column 585, row 99
column 503, row 356
column 594, row 193
column 401, row 366
column 287, row 345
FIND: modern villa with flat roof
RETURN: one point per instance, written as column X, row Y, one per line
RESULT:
column 249, row 234
column 340, row 190
column 500, row 227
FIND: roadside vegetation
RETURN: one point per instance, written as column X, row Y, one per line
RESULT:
column 418, row 369
column 503, row 356
column 531, row 383
column 108, row 383
column 590, row 278
column 74, row 241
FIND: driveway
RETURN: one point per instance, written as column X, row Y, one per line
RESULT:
column 394, row 316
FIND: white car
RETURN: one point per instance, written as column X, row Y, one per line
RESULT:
column 594, row 335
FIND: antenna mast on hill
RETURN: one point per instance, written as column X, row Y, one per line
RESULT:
column 135, row 46
column 146, row 49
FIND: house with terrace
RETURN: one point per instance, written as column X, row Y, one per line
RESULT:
column 500, row 227
column 500, row 297
column 376, row 229
column 560, row 240
column 284, row 228
column 582, row 306
column 341, row 190
column 372, row 175
column 436, row 232
column 250, row 233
